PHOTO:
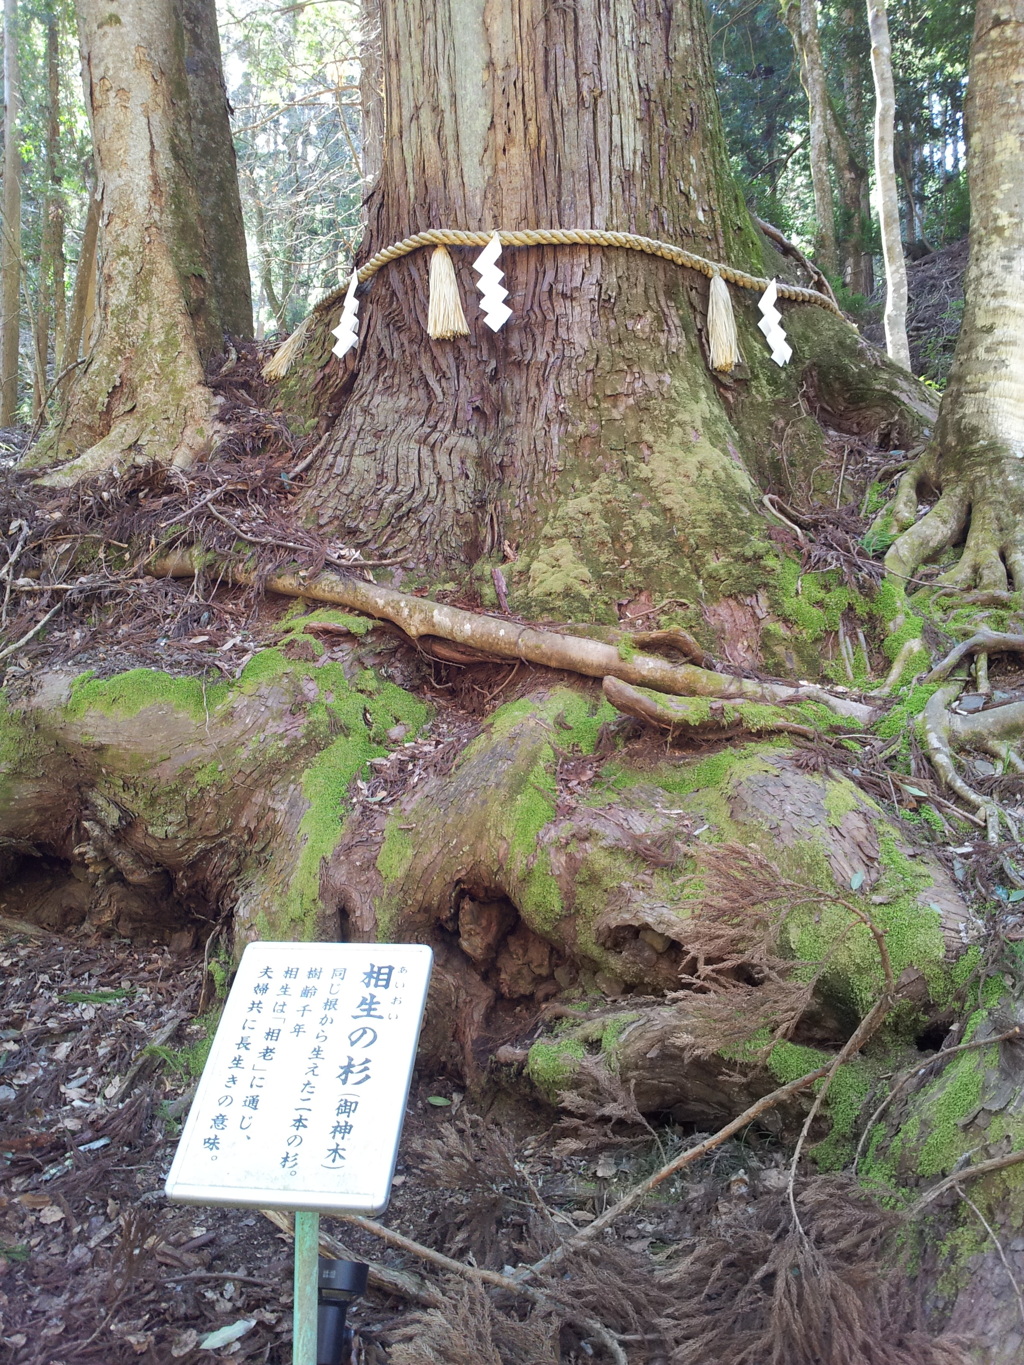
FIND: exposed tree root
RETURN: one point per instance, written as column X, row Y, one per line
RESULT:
column 984, row 642
column 500, row 638
column 992, row 730
column 977, row 503
column 695, row 715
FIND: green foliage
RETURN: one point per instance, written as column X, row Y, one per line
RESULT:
column 187, row 1062
column 292, row 74
column 96, row 997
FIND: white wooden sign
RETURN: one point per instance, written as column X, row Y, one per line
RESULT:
column 301, row 1102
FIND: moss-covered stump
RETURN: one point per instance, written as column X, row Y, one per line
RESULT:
column 143, row 802
column 548, row 861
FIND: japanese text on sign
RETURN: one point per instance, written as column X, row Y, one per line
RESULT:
column 301, row 1101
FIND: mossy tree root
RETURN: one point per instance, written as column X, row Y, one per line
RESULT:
column 698, row 715
column 993, row 731
column 984, row 642
column 501, row 638
column 979, row 501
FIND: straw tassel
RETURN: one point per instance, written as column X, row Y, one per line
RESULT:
column 445, row 318
column 281, row 361
column 723, row 347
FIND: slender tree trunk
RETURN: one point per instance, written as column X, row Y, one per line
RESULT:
column 10, row 249
column 802, row 22
column 213, row 152
column 50, row 313
column 856, row 188
column 885, row 178
column 85, row 288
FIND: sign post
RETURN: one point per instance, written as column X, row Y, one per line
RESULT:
column 301, row 1101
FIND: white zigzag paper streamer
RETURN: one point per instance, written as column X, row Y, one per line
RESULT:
column 347, row 330
column 771, row 326
column 492, row 296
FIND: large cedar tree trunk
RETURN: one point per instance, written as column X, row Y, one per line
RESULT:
column 587, row 441
column 173, row 275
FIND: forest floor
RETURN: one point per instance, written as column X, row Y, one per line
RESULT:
column 98, row 1052
column 101, row 1039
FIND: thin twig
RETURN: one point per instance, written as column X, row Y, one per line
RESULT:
column 913, row 1071
column 308, row 549
column 398, row 1282
column 34, row 631
column 998, row 1163
column 692, row 1154
column 999, row 1248
column 867, row 1027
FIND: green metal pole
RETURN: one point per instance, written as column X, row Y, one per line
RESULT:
column 307, row 1250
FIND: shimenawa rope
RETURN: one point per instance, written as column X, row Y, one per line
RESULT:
column 277, row 366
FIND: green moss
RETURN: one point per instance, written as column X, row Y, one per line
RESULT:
column 814, row 601
column 297, row 618
column 127, row 694
column 612, row 1033
column 910, row 705
column 188, row 1061
column 959, row 1094
column 363, row 722
column 552, row 1063
column 396, row 852
column 853, row 977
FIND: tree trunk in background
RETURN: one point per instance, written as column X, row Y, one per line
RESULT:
column 856, row 189
column 213, row 153
column 802, row 22
column 164, row 297
column 10, row 250
column 887, row 196
column 85, row 289
column 51, row 311
column 976, row 462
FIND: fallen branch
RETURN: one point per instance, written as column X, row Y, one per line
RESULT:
column 11, row 649
column 591, row 1326
column 382, row 1277
column 997, row 1163
column 504, row 639
column 640, row 1192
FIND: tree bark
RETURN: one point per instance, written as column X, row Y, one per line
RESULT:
column 50, row 310
column 169, row 269
column 887, row 197
column 79, row 322
column 585, row 445
column 976, row 463
column 10, row 249
column 213, row 152
column 480, row 135
column 371, row 99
